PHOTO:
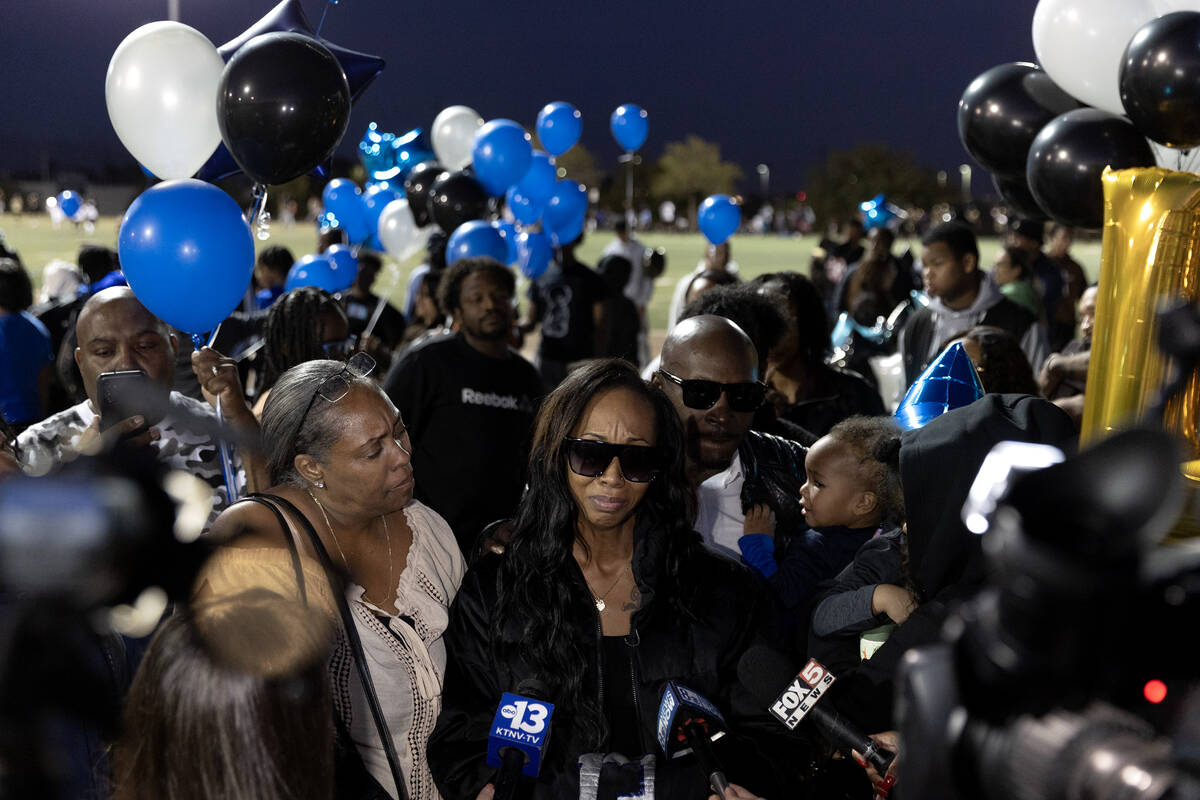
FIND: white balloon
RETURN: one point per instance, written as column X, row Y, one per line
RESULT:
column 453, row 136
column 399, row 232
column 1080, row 44
column 161, row 91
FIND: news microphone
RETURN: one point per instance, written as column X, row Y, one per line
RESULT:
column 761, row 668
column 688, row 723
column 519, row 736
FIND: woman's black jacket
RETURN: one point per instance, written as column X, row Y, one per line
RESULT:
column 700, row 652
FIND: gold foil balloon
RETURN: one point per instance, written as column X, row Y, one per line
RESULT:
column 1150, row 253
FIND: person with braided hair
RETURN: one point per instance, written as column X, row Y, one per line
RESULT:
column 303, row 325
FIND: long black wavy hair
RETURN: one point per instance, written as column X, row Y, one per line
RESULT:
column 542, row 592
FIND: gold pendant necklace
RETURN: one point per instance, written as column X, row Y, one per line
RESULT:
column 387, row 536
column 599, row 599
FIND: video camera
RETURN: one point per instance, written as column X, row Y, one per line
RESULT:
column 1069, row 675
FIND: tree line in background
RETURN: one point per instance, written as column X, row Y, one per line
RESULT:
column 692, row 169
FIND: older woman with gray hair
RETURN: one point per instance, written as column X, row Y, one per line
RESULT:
column 342, row 506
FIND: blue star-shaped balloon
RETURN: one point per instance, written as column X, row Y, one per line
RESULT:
column 878, row 212
column 949, row 382
column 388, row 157
column 289, row 17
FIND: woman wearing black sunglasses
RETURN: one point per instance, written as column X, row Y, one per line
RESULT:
column 603, row 593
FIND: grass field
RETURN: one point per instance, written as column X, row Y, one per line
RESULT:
column 39, row 242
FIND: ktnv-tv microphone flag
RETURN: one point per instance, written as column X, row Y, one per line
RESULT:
column 688, row 723
column 519, row 736
column 761, row 668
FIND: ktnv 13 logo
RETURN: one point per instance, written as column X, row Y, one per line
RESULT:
column 521, row 719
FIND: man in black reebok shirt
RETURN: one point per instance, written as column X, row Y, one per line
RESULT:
column 469, row 402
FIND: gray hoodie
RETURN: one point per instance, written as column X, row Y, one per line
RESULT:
column 948, row 322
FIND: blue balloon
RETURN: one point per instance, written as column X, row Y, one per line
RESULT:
column 407, row 151
column 719, row 218
column 567, row 232
column 343, row 199
column 375, row 154
column 476, row 238
column 534, row 253
column 558, row 127
column 949, row 382
column 313, row 270
column 375, row 199
column 509, row 232
column 538, row 181
column 501, row 155
column 524, row 209
column 629, row 124
column 345, row 265
column 187, row 253
column 69, row 202
column 568, row 203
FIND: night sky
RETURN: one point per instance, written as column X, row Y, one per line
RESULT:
column 780, row 82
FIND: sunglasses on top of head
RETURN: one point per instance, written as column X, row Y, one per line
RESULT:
column 703, row 394
column 589, row 458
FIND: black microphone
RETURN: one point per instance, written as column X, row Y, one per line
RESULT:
column 519, row 736
column 762, row 668
column 688, row 723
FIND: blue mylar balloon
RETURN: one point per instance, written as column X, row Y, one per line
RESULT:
column 629, row 124
column 407, row 151
column 568, row 202
column 69, row 202
column 187, row 253
column 509, row 232
column 501, row 155
column 534, row 253
column 538, row 181
column 558, row 127
column 375, row 199
column 314, row 270
column 343, row 199
column 345, row 265
column 949, row 382
column 719, row 218
column 524, row 209
column 476, row 238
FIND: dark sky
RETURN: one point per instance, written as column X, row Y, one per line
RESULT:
column 781, row 82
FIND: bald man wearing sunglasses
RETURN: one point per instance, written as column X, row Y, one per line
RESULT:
column 710, row 372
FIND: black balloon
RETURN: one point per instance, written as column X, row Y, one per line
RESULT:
column 416, row 188
column 283, row 105
column 1160, row 79
column 1068, row 157
column 1016, row 195
column 1002, row 111
column 455, row 198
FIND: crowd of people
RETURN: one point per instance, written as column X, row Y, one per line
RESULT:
column 432, row 520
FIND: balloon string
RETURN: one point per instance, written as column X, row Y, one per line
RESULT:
column 259, row 217
column 324, row 11
column 231, row 492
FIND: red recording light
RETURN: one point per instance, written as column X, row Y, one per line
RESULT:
column 1155, row 691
